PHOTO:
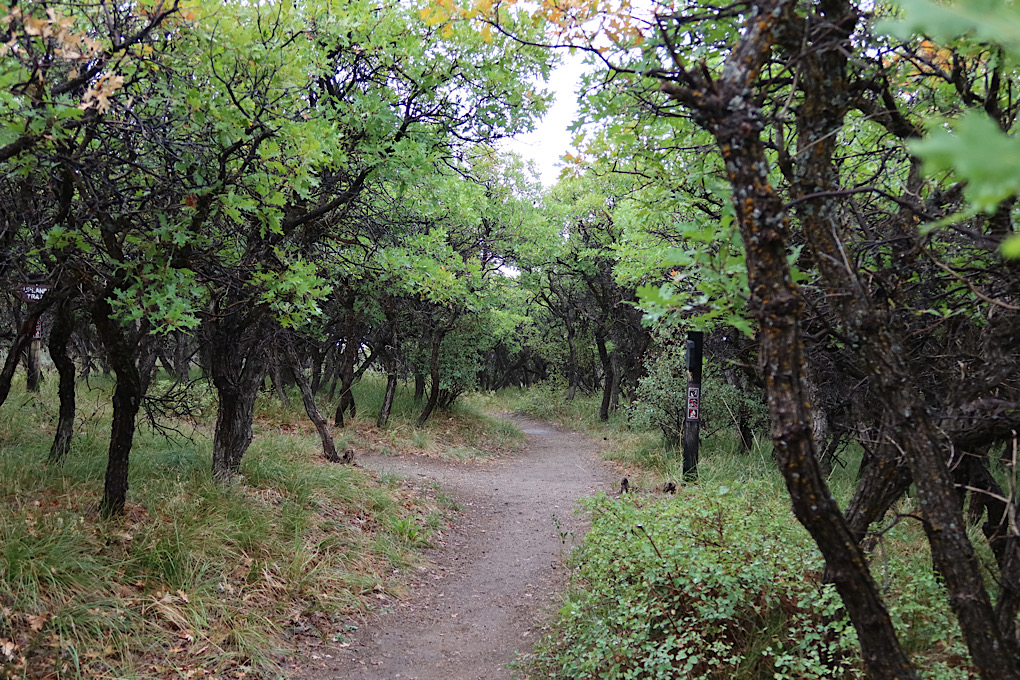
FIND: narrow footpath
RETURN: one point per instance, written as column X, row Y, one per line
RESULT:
column 496, row 576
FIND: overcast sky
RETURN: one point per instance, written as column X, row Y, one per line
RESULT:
column 551, row 139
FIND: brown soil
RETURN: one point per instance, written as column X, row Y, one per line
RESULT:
column 496, row 576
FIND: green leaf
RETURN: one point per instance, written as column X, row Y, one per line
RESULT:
column 1011, row 247
column 976, row 151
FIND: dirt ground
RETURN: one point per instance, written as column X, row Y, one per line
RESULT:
column 497, row 574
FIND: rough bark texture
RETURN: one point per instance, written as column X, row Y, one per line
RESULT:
column 238, row 361
column 233, row 426
column 121, row 350
column 819, row 119
column 21, row 341
column 60, row 336
column 725, row 107
column 430, row 405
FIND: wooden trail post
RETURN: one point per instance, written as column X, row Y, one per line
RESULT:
column 692, row 424
column 33, row 292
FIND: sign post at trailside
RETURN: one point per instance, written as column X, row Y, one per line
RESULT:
column 33, row 292
column 692, row 424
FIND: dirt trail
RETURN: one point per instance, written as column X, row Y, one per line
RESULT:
column 497, row 574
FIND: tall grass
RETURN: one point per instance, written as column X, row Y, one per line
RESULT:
column 198, row 578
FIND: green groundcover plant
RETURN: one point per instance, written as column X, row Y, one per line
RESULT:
column 721, row 582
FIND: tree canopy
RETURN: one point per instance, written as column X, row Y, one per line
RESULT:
column 273, row 189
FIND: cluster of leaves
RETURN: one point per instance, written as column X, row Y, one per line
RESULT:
column 721, row 583
column 660, row 400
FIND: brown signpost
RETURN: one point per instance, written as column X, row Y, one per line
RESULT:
column 33, row 292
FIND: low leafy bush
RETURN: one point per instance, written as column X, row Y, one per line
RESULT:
column 720, row 583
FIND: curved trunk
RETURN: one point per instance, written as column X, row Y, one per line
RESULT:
column 321, row 426
column 60, row 336
column 25, row 334
column 778, row 305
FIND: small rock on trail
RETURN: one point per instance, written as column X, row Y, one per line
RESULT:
column 496, row 576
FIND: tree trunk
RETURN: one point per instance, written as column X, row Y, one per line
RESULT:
column 614, row 399
column 317, row 358
column 437, row 341
column 277, row 379
column 608, row 376
column 571, row 362
column 387, row 404
column 725, row 107
column 146, row 364
column 819, row 119
column 238, row 359
column 60, row 336
column 233, row 433
column 121, row 351
column 33, row 373
column 321, row 426
column 25, row 334
column 419, row 386
column 348, row 359
column 182, row 359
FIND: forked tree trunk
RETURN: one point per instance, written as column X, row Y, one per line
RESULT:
column 387, row 404
column 725, row 108
column 820, row 116
column 348, row 359
column 60, row 336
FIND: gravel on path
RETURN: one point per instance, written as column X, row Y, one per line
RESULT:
column 497, row 575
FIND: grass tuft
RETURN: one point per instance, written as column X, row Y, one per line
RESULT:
column 197, row 579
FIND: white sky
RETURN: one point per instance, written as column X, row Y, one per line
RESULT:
column 551, row 139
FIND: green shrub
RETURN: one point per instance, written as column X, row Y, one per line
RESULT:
column 717, row 583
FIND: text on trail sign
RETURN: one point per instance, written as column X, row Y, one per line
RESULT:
column 31, row 292
column 693, row 402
